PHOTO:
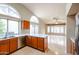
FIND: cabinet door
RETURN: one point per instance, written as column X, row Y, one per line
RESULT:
column 34, row 42
column 4, row 47
column 45, row 44
column 13, row 44
column 25, row 24
column 40, row 43
column 29, row 41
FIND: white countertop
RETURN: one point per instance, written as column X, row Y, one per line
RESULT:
column 35, row 35
column 19, row 35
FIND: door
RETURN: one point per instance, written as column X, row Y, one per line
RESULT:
column 34, row 42
column 13, row 44
column 4, row 46
column 29, row 41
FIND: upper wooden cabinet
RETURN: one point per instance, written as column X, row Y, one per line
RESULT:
column 25, row 24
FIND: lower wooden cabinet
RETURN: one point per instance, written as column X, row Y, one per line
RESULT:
column 4, row 46
column 28, row 41
column 37, row 42
column 8, row 45
column 71, row 47
column 34, row 42
column 13, row 44
column 40, row 44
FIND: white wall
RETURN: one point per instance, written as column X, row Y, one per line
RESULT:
column 26, row 14
column 41, row 27
column 68, row 6
column 71, row 24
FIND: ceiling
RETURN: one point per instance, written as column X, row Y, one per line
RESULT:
column 48, row 11
column 74, row 9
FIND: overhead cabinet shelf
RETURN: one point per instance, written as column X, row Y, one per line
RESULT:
column 25, row 24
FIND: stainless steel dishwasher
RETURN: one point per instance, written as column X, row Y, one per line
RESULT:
column 21, row 42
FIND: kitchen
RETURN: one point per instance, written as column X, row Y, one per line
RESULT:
column 11, row 38
column 29, row 29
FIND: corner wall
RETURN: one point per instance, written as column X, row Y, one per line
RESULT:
column 71, row 23
column 26, row 14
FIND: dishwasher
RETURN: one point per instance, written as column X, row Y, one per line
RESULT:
column 21, row 42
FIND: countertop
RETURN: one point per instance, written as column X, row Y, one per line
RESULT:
column 20, row 35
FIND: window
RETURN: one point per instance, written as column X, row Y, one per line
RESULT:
column 56, row 29
column 48, row 29
column 8, row 26
column 3, row 26
column 12, row 26
column 8, row 10
column 52, row 29
column 34, row 28
column 54, row 36
column 34, row 19
column 34, row 25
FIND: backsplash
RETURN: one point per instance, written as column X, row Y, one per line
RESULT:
column 26, row 31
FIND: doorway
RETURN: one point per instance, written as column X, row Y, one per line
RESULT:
column 57, row 38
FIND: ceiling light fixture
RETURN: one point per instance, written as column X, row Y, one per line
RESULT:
column 56, row 22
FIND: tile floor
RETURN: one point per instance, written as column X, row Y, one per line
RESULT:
column 31, row 51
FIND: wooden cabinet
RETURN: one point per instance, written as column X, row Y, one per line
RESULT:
column 37, row 42
column 9, row 45
column 71, row 47
column 40, row 43
column 4, row 46
column 45, row 44
column 34, row 42
column 25, row 24
column 13, row 44
column 28, row 41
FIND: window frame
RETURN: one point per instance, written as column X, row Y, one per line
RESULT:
column 7, row 18
column 50, row 32
column 34, row 24
column 11, row 8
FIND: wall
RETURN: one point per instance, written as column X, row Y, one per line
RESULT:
column 68, row 6
column 26, row 14
column 71, row 23
column 41, row 27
